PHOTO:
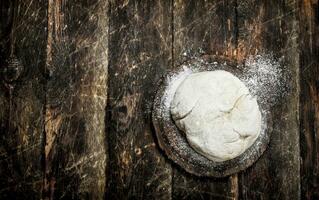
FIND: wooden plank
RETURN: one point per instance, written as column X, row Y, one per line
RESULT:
column 22, row 33
column 140, row 51
column 204, row 27
column 270, row 27
column 77, row 59
column 309, row 98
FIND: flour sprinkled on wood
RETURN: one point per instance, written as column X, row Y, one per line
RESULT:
column 262, row 74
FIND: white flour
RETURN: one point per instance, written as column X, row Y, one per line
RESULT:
column 266, row 80
column 264, row 77
column 217, row 114
column 173, row 83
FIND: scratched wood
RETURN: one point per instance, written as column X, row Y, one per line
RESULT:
column 270, row 27
column 309, row 98
column 203, row 27
column 141, row 43
column 75, row 151
column 21, row 118
column 76, row 124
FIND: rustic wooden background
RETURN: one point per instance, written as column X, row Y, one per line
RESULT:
column 76, row 123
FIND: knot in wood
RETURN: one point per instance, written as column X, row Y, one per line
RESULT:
column 12, row 69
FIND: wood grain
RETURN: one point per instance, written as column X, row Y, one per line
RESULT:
column 270, row 27
column 141, row 46
column 21, row 101
column 309, row 98
column 65, row 135
column 76, row 71
column 203, row 27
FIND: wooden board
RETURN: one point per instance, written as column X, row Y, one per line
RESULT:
column 76, row 70
column 76, row 124
column 309, row 98
column 21, row 107
column 270, row 27
column 203, row 27
column 141, row 43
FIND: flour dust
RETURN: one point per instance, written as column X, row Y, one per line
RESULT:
column 265, row 78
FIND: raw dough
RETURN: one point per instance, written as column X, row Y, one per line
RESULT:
column 218, row 115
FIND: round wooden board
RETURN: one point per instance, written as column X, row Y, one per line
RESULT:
column 173, row 141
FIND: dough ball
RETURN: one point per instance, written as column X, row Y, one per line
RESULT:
column 217, row 114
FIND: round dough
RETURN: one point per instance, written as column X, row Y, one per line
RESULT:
column 218, row 115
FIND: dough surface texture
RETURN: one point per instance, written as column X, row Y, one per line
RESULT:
column 218, row 115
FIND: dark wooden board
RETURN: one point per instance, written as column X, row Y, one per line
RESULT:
column 21, row 110
column 203, row 27
column 309, row 98
column 59, row 140
column 270, row 27
column 76, row 72
column 141, row 45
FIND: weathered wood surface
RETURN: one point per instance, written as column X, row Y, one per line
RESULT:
column 76, row 70
column 203, row 27
column 21, row 107
column 271, row 27
column 59, row 139
column 140, row 51
column 309, row 98
column 52, row 126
